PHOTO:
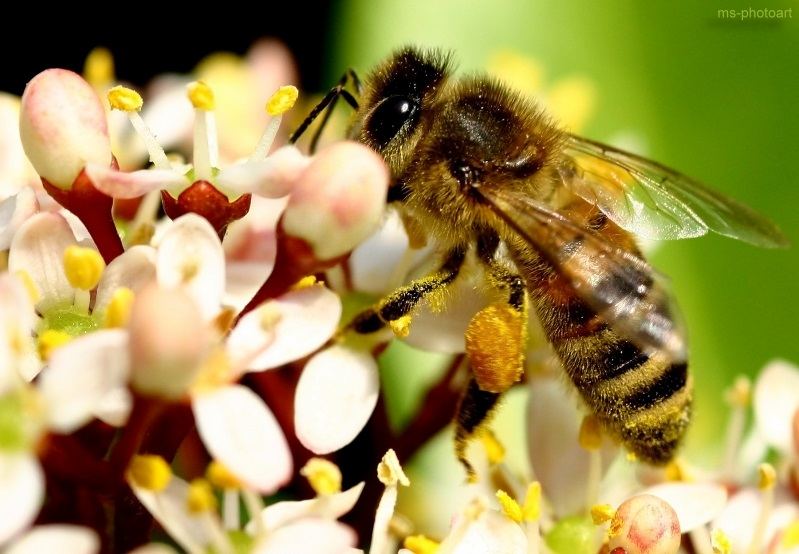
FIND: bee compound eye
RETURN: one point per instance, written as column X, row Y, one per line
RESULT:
column 390, row 116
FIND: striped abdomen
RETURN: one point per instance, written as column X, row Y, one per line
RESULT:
column 643, row 400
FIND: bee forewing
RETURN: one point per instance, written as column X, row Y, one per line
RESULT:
column 623, row 289
column 656, row 202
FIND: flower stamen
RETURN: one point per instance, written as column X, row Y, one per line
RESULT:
column 130, row 102
column 509, row 506
column 205, row 147
column 49, row 340
column 323, row 475
column 118, row 312
column 279, row 103
column 766, row 479
column 419, row 544
column 149, row 472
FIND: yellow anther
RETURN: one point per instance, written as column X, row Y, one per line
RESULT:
column 49, row 340
column 83, row 266
column 214, row 373
column 401, row 327
column 766, row 476
column 790, row 535
column 224, row 320
column 531, row 509
column 494, row 449
column 221, row 477
column 590, row 433
column 323, row 475
column 495, row 341
column 389, row 470
column 118, row 311
column 630, row 456
column 30, row 287
column 98, row 69
column 150, row 472
column 509, row 506
column 282, row 100
column 600, row 513
column 269, row 315
column 740, row 393
column 200, row 497
column 304, row 283
column 720, row 542
column 125, row 99
column 676, row 470
column 201, row 96
column 419, row 544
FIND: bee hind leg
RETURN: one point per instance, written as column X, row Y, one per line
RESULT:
column 474, row 410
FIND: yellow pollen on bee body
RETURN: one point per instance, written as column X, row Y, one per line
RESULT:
column 125, row 99
column 149, row 472
column 401, row 327
column 495, row 341
column 509, row 506
column 201, row 96
column 323, row 475
column 83, row 266
column 282, row 100
column 220, row 476
column 419, row 544
column 49, row 340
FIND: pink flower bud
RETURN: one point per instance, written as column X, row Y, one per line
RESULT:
column 645, row 524
column 167, row 341
column 63, row 126
column 338, row 200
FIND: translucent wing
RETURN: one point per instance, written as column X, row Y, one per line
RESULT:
column 656, row 202
column 619, row 286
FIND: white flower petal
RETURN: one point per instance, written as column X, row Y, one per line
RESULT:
column 558, row 460
column 273, row 177
column 335, row 397
column 330, row 507
column 132, row 184
column 15, row 169
column 114, row 408
column 243, row 279
column 56, row 538
column 169, row 509
column 776, row 400
column 81, row 375
column 695, row 503
column 239, row 430
column 132, row 269
column 308, row 536
column 308, row 317
column 62, row 125
column 190, row 256
column 38, row 250
column 495, row 533
column 739, row 517
column 21, row 492
column 14, row 210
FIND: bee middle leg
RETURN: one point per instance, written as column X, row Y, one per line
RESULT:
column 495, row 341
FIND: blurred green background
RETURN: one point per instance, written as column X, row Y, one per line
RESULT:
column 714, row 97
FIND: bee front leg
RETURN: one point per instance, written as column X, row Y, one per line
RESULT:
column 401, row 302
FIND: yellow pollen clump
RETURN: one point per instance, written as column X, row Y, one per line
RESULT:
column 419, row 544
column 495, row 341
column 200, row 497
column 509, row 506
column 494, row 449
column 590, row 433
column 30, row 287
column 83, row 266
column 766, row 476
column 220, row 476
column 401, row 327
column 389, row 470
column 125, row 99
column 600, row 513
column 118, row 311
column 148, row 471
column 49, row 340
column 720, row 542
column 531, row 509
column 323, row 475
column 282, row 100
column 99, row 67
column 201, row 96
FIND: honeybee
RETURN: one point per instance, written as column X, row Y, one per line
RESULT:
column 552, row 218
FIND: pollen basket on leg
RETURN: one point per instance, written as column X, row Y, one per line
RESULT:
column 495, row 342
